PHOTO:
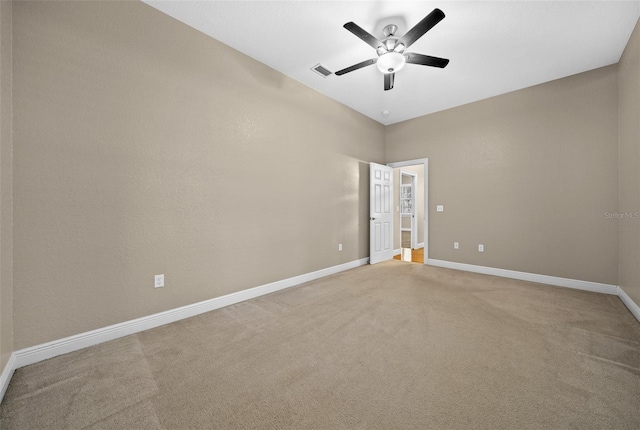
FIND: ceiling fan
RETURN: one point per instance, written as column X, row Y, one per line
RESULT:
column 391, row 50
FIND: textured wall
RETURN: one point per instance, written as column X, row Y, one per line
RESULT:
column 530, row 174
column 6, row 193
column 629, row 166
column 144, row 147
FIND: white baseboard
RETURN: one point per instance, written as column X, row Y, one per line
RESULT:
column 532, row 277
column 47, row 350
column 630, row 304
column 7, row 373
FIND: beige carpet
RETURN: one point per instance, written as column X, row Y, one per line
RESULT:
column 395, row 345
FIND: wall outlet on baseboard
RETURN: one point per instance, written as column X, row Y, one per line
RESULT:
column 481, row 248
column 159, row 281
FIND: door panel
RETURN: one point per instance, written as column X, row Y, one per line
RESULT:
column 381, row 213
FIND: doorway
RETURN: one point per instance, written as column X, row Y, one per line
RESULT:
column 410, row 210
column 408, row 215
column 407, row 192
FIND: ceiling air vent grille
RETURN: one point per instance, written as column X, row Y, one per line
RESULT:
column 321, row 70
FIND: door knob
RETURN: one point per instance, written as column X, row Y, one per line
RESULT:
column 372, row 218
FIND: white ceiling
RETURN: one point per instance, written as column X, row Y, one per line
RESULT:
column 494, row 47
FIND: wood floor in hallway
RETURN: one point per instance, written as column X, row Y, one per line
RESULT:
column 417, row 256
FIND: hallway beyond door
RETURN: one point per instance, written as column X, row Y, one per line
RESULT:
column 417, row 255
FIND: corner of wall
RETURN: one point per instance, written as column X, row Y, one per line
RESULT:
column 629, row 168
column 6, row 195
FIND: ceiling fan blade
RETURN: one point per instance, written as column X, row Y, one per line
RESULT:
column 389, row 79
column 422, row 27
column 357, row 66
column 426, row 60
column 364, row 35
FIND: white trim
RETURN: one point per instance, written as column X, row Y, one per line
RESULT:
column 532, row 277
column 630, row 304
column 47, row 350
column 7, row 373
column 420, row 245
column 416, row 162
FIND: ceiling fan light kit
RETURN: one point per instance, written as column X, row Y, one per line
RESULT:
column 390, row 50
column 391, row 62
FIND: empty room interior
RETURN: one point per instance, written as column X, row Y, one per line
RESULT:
column 201, row 202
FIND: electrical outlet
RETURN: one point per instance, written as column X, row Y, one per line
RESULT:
column 440, row 208
column 339, row 247
column 456, row 245
column 159, row 281
column 481, row 248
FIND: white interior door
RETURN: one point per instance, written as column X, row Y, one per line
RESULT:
column 380, row 213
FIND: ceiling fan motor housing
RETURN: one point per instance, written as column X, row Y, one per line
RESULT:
column 390, row 41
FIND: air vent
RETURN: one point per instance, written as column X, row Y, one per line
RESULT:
column 321, row 70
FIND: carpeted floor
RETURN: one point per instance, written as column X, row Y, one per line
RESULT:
column 395, row 345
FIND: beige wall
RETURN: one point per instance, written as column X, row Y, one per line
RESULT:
column 529, row 174
column 419, row 171
column 6, row 192
column 143, row 147
column 629, row 166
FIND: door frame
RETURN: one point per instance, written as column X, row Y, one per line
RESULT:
column 414, row 221
column 417, row 162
